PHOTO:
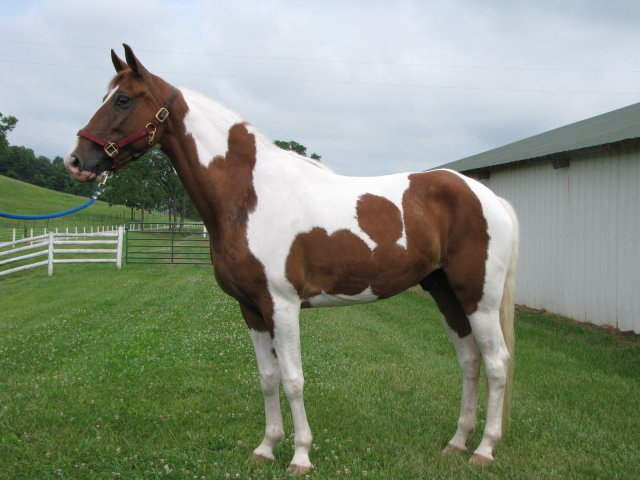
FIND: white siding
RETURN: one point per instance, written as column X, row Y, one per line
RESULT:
column 580, row 235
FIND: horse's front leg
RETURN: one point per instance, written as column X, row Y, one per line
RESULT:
column 287, row 344
column 269, row 371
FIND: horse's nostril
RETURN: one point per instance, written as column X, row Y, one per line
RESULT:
column 75, row 162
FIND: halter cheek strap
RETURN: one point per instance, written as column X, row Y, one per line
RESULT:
column 112, row 149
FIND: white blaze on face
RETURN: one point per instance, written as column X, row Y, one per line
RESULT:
column 110, row 94
column 68, row 159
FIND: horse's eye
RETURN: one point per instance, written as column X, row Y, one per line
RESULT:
column 122, row 101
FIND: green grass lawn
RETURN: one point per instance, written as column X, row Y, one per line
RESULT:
column 149, row 373
column 23, row 198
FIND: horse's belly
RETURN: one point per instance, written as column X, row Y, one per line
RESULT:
column 338, row 300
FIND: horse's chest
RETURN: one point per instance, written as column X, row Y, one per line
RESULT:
column 237, row 270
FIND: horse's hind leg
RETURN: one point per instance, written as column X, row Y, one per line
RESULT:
column 459, row 330
column 474, row 336
column 490, row 341
column 469, row 360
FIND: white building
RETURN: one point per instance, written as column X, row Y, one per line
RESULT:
column 576, row 190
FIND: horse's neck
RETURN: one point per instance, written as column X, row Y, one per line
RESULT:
column 218, row 180
column 225, row 164
column 208, row 123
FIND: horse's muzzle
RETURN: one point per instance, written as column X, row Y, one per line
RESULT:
column 74, row 166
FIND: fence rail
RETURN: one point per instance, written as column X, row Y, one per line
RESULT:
column 174, row 243
column 54, row 246
column 13, row 234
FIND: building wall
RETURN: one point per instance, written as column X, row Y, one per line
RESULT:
column 580, row 235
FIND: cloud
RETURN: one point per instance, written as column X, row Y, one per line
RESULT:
column 372, row 87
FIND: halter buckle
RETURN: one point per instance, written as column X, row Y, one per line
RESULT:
column 111, row 149
column 106, row 175
column 151, row 130
column 162, row 115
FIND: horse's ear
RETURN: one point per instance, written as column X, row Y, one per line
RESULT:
column 117, row 62
column 133, row 62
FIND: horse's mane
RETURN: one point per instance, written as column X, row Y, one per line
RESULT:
column 311, row 161
column 265, row 141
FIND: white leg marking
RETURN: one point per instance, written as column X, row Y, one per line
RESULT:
column 488, row 336
column 469, row 358
column 287, row 344
column 270, row 384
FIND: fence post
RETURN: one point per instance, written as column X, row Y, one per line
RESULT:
column 173, row 242
column 50, row 265
column 119, row 250
column 13, row 237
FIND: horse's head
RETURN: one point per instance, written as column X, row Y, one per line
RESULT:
column 129, row 122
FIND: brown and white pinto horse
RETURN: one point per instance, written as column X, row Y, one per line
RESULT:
column 287, row 233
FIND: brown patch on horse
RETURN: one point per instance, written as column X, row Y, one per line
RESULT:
column 444, row 227
column 225, row 196
column 462, row 234
column 340, row 263
column 380, row 219
column 396, row 268
column 343, row 264
column 237, row 270
column 437, row 285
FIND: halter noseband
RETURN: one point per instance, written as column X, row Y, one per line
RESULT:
column 112, row 148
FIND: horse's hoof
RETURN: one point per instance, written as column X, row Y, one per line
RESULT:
column 260, row 459
column 480, row 460
column 300, row 469
column 453, row 450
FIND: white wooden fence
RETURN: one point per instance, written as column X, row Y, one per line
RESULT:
column 52, row 245
column 17, row 233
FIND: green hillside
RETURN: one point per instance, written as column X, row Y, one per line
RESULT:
column 23, row 198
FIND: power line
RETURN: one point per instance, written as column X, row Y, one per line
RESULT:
column 342, row 61
column 345, row 82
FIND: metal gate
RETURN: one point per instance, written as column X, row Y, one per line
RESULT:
column 175, row 243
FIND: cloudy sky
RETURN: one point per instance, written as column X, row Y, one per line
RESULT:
column 374, row 87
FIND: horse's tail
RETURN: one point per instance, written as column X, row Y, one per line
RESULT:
column 507, row 314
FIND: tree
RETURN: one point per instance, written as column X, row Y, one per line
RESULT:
column 7, row 124
column 22, row 164
column 137, row 186
column 151, row 183
column 60, row 178
column 174, row 196
column 294, row 146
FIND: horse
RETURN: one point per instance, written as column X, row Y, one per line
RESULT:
column 287, row 233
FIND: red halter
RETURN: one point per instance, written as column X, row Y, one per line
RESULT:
column 112, row 148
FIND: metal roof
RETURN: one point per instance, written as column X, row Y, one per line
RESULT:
column 612, row 127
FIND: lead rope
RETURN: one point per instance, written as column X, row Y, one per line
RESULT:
column 99, row 191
